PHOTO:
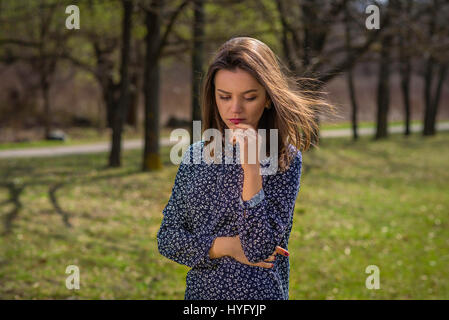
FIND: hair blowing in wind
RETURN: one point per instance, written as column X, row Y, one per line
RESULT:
column 293, row 110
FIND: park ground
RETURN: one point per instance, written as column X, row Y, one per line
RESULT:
column 383, row 203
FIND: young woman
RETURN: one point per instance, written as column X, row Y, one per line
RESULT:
column 228, row 222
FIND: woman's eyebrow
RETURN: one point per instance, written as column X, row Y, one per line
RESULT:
column 250, row 90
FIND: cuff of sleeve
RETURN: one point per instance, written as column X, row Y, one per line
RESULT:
column 205, row 261
column 255, row 200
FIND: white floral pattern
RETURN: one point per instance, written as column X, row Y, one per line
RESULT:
column 206, row 203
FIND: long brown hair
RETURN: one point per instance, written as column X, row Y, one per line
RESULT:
column 293, row 110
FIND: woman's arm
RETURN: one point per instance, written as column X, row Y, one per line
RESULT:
column 252, row 180
column 231, row 246
column 221, row 247
column 265, row 217
column 266, row 209
column 175, row 241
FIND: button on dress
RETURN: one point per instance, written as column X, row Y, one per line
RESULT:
column 206, row 203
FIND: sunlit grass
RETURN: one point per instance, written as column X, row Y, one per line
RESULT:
column 383, row 203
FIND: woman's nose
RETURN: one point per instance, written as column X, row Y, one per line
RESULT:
column 236, row 106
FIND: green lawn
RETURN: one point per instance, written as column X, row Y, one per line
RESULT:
column 361, row 203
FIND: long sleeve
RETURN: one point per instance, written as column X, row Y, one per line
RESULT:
column 265, row 217
column 175, row 240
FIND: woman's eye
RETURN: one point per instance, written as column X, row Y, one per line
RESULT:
column 248, row 99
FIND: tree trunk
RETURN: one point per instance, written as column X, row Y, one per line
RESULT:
column 151, row 154
column 133, row 107
column 354, row 106
column 428, row 129
column 110, row 96
column 121, row 106
column 405, row 86
column 430, row 107
column 441, row 78
column 45, row 86
column 383, row 88
column 197, row 60
column 434, row 101
column 349, row 77
column 405, row 65
column 285, row 47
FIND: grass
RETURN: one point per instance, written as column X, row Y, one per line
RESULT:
column 361, row 203
column 368, row 124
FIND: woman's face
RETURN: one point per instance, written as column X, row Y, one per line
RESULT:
column 240, row 97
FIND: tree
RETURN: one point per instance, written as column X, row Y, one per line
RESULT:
column 349, row 73
column 436, row 63
column 197, row 59
column 307, row 28
column 120, row 108
column 154, row 43
column 383, row 81
column 405, row 54
column 37, row 40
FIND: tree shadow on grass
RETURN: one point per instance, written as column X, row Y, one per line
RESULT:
column 54, row 200
column 14, row 177
column 14, row 198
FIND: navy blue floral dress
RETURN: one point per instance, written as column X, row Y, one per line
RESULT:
column 205, row 204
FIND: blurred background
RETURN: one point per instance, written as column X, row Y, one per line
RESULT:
column 90, row 91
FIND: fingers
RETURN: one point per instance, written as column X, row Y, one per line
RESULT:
column 247, row 146
column 281, row 251
column 271, row 258
column 242, row 137
column 242, row 125
column 246, row 131
column 239, row 137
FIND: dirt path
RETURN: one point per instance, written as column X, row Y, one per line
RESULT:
column 138, row 143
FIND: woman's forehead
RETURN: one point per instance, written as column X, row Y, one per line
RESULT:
column 235, row 81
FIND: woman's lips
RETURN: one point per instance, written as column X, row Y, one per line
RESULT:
column 236, row 121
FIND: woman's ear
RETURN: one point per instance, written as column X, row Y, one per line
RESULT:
column 268, row 103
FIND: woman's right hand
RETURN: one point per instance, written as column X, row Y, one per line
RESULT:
column 231, row 246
